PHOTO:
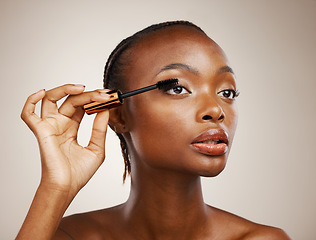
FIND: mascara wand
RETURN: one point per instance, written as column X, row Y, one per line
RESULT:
column 116, row 97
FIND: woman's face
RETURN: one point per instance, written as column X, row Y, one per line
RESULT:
column 189, row 128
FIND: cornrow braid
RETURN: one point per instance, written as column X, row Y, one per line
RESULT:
column 114, row 70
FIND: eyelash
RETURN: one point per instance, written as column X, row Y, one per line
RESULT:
column 178, row 87
column 235, row 93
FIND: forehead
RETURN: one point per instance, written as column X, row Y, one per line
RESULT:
column 173, row 45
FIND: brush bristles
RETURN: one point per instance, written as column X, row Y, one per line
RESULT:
column 167, row 84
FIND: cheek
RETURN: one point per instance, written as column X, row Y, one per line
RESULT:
column 159, row 133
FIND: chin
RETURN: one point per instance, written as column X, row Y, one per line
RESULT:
column 213, row 170
column 210, row 173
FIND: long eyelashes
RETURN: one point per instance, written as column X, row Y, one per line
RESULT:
column 177, row 90
column 229, row 94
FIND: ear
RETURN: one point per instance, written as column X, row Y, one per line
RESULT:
column 117, row 120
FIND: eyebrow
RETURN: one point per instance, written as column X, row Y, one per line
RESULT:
column 179, row 66
column 225, row 69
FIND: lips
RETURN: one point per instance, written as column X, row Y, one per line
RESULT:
column 213, row 142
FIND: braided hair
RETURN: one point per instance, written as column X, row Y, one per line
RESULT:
column 114, row 70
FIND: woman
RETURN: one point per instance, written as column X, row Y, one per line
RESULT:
column 169, row 140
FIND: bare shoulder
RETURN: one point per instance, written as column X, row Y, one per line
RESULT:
column 242, row 229
column 266, row 232
column 90, row 225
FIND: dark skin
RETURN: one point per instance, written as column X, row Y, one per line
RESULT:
column 166, row 199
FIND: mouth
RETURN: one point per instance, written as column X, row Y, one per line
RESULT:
column 213, row 142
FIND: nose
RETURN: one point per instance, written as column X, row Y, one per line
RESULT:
column 210, row 110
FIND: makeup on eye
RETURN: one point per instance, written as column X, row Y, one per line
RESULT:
column 229, row 94
column 180, row 90
column 177, row 90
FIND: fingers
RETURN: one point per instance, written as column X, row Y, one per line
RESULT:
column 97, row 140
column 52, row 96
column 70, row 106
column 28, row 115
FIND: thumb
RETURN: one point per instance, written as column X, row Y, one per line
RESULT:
column 98, row 135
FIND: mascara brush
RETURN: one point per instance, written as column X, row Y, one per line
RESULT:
column 116, row 97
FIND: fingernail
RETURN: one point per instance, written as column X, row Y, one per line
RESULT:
column 103, row 90
column 104, row 94
column 40, row 90
column 79, row 85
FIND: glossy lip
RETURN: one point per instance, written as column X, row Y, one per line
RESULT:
column 199, row 144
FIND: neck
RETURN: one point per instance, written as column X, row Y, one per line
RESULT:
column 163, row 203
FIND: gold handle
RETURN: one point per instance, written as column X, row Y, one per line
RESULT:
column 96, row 107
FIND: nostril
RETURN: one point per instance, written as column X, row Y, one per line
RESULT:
column 206, row 117
column 221, row 117
column 209, row 117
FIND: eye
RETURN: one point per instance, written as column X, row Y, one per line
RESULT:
column 229, row 94
column 177, row 90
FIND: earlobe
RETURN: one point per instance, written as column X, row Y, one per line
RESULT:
column 117, row 120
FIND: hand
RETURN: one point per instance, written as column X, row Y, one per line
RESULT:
column 66, row 165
